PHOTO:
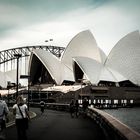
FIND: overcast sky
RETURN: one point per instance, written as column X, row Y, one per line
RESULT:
column 31, row 22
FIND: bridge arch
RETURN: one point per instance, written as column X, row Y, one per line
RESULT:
column 8, row 60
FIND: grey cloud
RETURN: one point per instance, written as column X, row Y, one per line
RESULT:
column 27, row 12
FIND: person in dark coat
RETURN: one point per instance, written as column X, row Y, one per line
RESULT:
column 76, row 108
column 85, row 106
column 42, row 106
column 72, row 108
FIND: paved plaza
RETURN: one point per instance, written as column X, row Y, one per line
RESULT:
column 56, row 125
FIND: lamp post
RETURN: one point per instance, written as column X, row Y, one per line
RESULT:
column 17, row 56
column 27, row 77
column 82, row 81
column 9, row 86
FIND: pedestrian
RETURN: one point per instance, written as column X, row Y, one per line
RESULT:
column 85, row 106
column 42, row 106
column 72, row 108
column 21, row 113
column 76, row 108
column 3, row 114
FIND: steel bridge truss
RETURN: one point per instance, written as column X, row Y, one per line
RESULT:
column 7, row 56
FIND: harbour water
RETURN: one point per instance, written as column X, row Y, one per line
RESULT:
column 128, row 116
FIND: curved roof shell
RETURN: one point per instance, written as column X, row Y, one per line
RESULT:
column 2, row 81
column 83, row 44
column 58, row 71
column 7, row 76
column 51, row 63
column 95, row 71
column 90, row 67
column 121, row 64
column 107, row 74
column 124, row 57
column 11, row 75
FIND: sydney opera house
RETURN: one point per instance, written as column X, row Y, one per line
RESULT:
column 116, row 76
column 83, row 59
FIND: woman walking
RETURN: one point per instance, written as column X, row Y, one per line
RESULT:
column 21, row 114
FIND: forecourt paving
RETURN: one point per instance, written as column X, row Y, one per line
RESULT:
column 57, row 125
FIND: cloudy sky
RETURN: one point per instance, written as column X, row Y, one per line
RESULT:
column 31, row 22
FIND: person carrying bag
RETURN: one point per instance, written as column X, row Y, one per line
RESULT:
column 21, row 118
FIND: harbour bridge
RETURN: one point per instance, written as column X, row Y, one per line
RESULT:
column 8, row 59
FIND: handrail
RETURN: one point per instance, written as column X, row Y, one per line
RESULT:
column 114, row 126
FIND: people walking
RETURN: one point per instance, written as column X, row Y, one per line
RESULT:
column 72, row 108
column 21, row 113
column 42, row 106
column 3, row 114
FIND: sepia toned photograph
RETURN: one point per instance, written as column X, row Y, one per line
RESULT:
column 69, row 69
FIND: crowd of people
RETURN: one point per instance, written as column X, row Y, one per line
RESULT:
column 21, row 113
column 22, row 116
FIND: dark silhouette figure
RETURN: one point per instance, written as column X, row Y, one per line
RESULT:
column 85, row 106
column 72, row 108
column 42, row 106
column 76, row 108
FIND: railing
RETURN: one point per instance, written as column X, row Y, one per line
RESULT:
column 53, row 106
column 113, row 128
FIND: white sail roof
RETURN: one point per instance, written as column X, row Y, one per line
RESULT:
column 2, row 81
column 124, row 57
column 83, row 44
column 11, row 75
column 7, row 76
column 58, row 71
column 96, row 71
column 52, row 63
column 121, row 64
column 108, row 74
column 90, row 67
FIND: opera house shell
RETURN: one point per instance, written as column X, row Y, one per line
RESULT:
column 7, row 76
column 83, row 59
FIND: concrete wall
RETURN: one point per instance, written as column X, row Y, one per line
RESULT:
column 113, row 128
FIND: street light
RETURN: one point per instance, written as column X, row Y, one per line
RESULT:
column 17, row 56
column 27, row 77
column 9, row 86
